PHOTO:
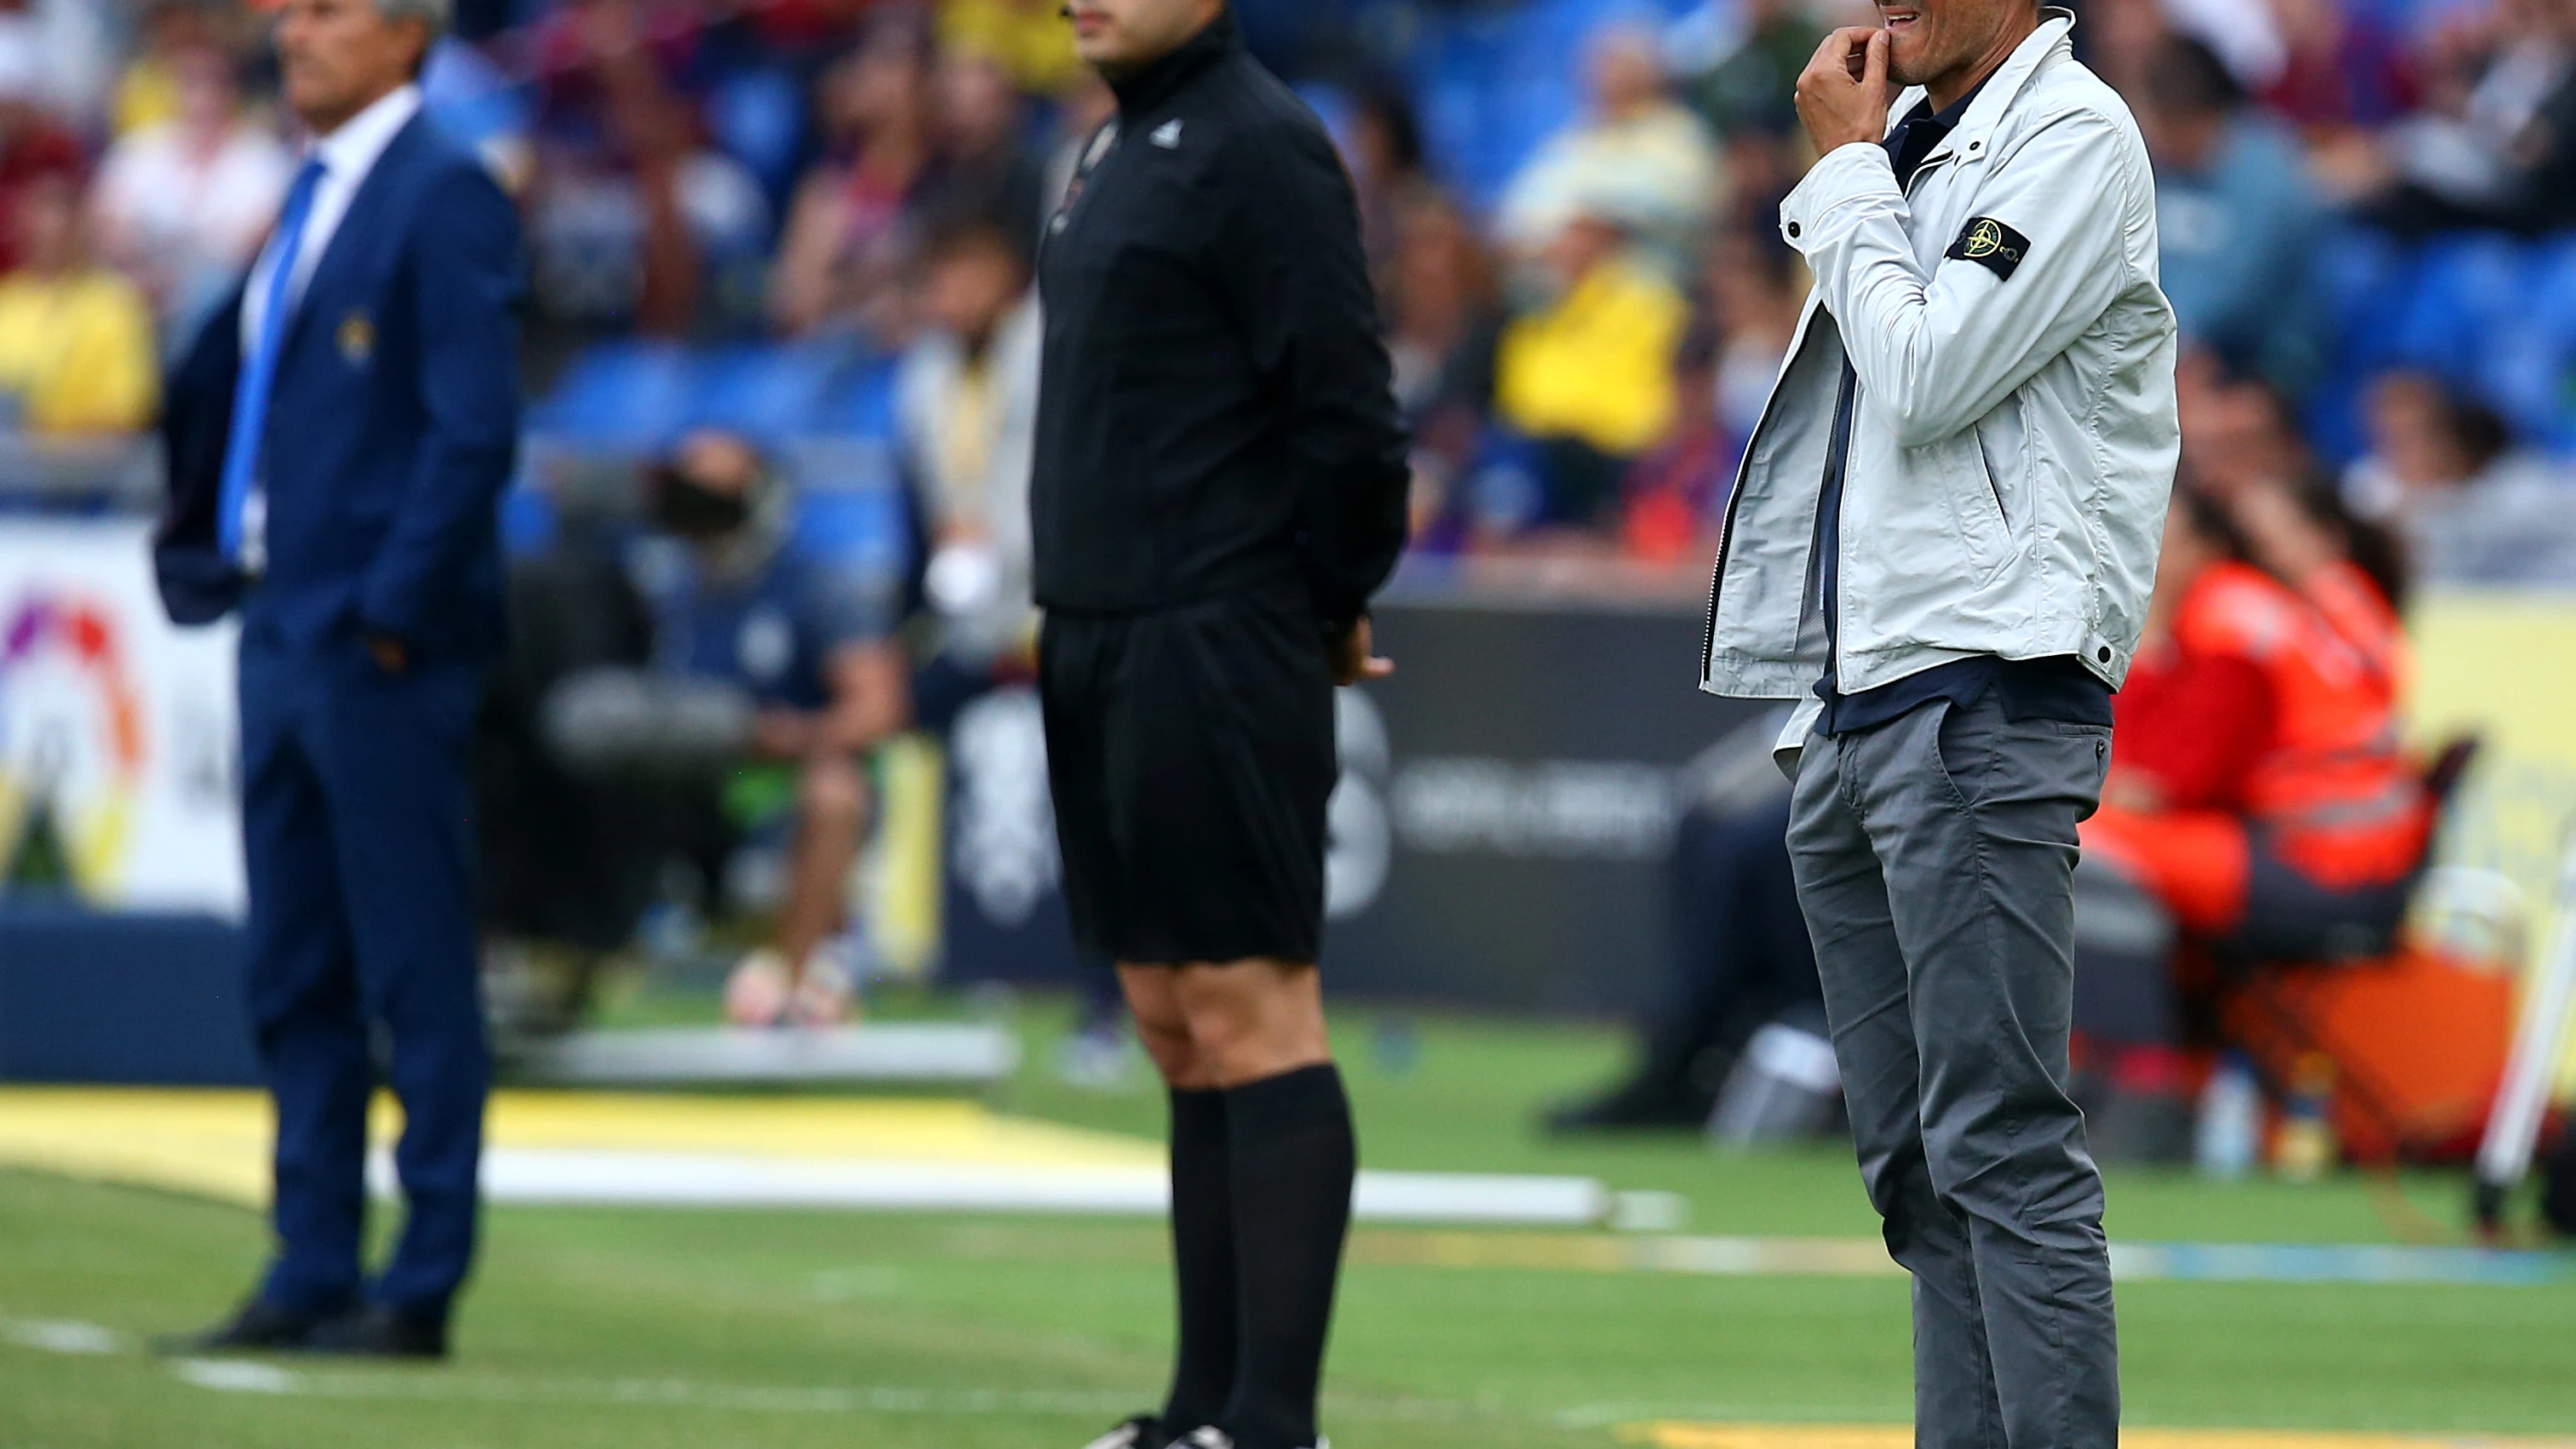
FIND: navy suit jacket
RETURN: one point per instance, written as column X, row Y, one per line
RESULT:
column 391, row 433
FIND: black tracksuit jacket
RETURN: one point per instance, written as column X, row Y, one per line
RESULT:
column 1215, row 415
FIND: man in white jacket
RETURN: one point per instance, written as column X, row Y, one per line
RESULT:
column 1943, row 538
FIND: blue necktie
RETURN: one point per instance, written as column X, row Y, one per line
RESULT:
column 259, row 370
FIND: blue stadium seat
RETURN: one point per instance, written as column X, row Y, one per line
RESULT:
column 2527, row 365
column 530, row 521
column 1332, row 106
column 2470, row 285
column 2407, row 15
column 863, row 527
column 858, row 402
column 629, row 395
column 764, row 391
column 758, row 118
column 2364, row 277
column 2362, row 273
column 1490, row 85
column 1504, row 493
column 863, row 535
column 1455, row 69
column 636, row 396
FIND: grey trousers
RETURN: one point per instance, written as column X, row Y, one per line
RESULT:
column 1935, row 857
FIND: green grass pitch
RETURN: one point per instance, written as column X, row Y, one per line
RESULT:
column 633, row 1329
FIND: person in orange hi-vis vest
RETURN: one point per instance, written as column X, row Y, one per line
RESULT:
column 2260, row 804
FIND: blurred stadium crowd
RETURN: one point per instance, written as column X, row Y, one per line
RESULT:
column 734, row 208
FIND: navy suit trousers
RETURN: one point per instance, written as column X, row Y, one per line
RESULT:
column 357, row 806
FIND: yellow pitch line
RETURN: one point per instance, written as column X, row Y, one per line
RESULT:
column 217, row 1143
column 1672, row 1435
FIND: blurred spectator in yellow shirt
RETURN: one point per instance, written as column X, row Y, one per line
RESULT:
column 1589, row 375
column 76, row 350
column 1028, row 38
column 147, row 90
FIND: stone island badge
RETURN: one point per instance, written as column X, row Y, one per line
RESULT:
column 1992, row 245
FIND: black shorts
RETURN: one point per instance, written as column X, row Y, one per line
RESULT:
column 1190, row 752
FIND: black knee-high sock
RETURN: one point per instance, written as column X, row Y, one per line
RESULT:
column 1203, row 1261
column 1294, row 1157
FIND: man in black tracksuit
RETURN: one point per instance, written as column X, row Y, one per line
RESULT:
column 1219, row 486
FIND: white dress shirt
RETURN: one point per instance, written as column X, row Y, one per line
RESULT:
column 348, row 154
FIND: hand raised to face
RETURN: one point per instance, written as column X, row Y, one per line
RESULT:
column 1843, row 95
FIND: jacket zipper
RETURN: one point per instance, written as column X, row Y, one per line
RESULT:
column 1846, row 415
column 1734, row 501
column 1842, row 494
column 1735, row 498
column 1717, row 574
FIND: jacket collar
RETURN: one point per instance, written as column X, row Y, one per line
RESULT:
column 353, row 150
column 1999, row 90
column 1155, row 82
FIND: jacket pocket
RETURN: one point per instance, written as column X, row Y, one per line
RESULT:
column 1975, row 502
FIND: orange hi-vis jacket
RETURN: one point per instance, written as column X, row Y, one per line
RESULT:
column 2328, row 789
column 2337, row 796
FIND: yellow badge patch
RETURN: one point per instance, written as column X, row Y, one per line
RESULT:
column 357, row 338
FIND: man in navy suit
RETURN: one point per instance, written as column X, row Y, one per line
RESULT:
column 338, row 441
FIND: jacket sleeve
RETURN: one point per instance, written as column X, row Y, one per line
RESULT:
column 198, row 583
column 1299, row 287
column 1938, row 351
column 465, row 259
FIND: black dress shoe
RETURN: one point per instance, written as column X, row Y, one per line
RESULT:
column 258, row 1327
column 377, row 1331
column 1632, row 1107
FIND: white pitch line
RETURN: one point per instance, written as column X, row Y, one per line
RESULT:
column 241, row 1376
column 261, row 1377
column 618, row 1177
column 237, row 1376
column 61, row 1335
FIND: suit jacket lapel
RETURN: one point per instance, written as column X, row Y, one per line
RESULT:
column 358, row 223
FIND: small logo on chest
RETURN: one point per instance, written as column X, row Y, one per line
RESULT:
column 357, row 338
column 1167, row 135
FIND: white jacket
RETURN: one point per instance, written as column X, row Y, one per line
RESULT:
column 2014, row 440
column 992, row 502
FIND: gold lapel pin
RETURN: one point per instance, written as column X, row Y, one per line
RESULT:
column 357, row 338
